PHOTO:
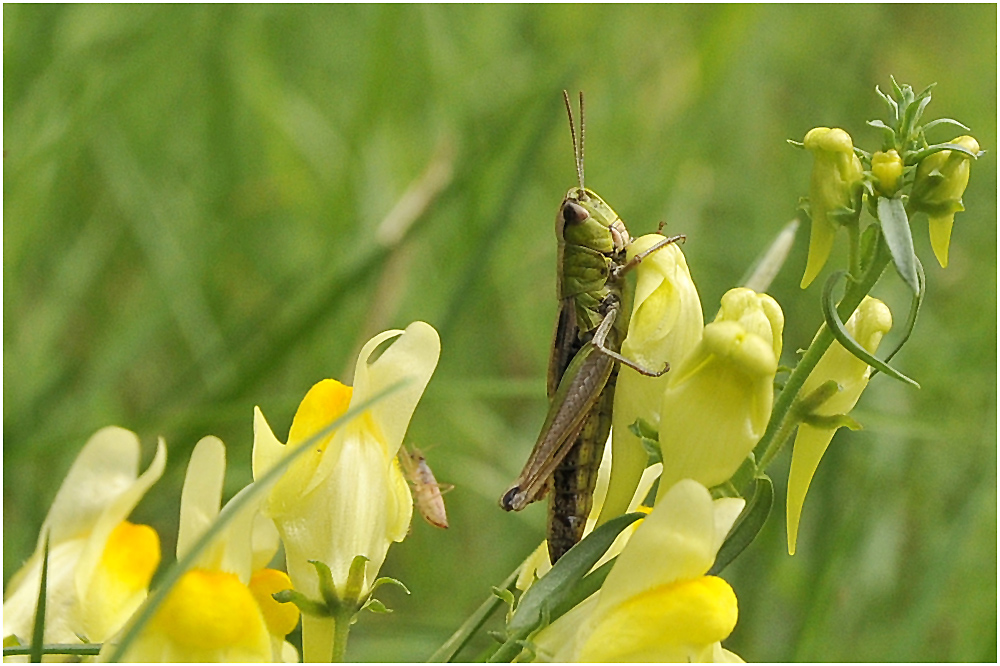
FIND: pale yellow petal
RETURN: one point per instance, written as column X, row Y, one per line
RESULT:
column 412, row 357
column 201, row 497
column 114, row 513
column 675, row 542
column 267, row 450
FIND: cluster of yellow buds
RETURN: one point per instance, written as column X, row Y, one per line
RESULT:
column 915, row 176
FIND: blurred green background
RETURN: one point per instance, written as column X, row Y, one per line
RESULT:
column 205, row 209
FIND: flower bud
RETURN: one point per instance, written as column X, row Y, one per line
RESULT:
column 867, row 325
column 666, row 324
column 887, row 168
column 836, row 177
column 717, row 403
column 937, row 190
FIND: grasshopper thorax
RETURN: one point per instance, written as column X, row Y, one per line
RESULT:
column 586, row 219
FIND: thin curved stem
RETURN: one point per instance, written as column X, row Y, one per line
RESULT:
column 780, row 427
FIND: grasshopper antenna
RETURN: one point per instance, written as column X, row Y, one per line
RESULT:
column 577, row 146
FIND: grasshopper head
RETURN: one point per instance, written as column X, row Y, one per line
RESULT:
column 586, row 219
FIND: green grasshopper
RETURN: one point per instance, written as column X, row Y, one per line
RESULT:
column 594, row 302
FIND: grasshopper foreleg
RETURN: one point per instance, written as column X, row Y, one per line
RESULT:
column 612, row 306
column 619, row 272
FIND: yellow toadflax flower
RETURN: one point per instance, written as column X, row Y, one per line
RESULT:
column 666, row 324
column 99, row 563
column 718, row 401
column 937, row 190
column 657, row 604
column 833, row 191
column 887, row 170
column 220, row 610
column 867, row 325
column 347, row 497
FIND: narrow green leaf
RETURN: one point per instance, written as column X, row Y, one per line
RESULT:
column 376, row 606
column 327, row 589
column 844, row 337
column 889, row 139
column 643, row 429
column 896, row 229
column 38, row 628
column 386, row 580
column 890, row 102
column 944, row 121
column 914, row 158
column 555, row 586
column 919, row 111
column 355, row 579
column 768, row 264
column 831, row 422
column 650, row 440
column 590, row 584
column 747, row 526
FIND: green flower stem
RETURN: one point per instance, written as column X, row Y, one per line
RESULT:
column 854, row 234
column 341, row 628
column 783, row 434
column 781, row 426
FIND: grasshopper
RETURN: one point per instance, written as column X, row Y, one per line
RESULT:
column 426, row 490
column 594, row 302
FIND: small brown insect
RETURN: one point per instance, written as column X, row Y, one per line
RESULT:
column 426, row 490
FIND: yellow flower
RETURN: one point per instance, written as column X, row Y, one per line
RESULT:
column 347, row 496
column 937, row 190
column 718, row 401
column 867, row 325
column 666, row 324
column 99, row 563
column 213, row 613
column 833, row 190
column 887, row 168
column 657, row 604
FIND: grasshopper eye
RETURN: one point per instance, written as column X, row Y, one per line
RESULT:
column 574, row 213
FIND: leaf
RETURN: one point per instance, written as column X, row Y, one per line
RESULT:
column 376, row 606
column 386, row 580
column 763, row 271
column 590, row 584
column 890, row 134
column 555, row 586
column 896, row 229
column 915, row 158
column 831, row 422
column 944, row 121
column 844, row 337
column 890, row 101
column 751, row 520
column 38, row 629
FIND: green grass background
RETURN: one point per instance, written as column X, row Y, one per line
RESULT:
column 191, row 199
